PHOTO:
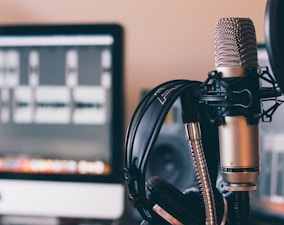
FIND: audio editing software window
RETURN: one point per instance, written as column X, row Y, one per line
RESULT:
column 54, row 90
column 272, row 178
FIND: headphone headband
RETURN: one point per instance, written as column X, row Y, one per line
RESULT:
column 142, row 133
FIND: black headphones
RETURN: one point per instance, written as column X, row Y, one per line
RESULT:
column 156, row 200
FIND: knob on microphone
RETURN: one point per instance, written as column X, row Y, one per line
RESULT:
column 237, row 66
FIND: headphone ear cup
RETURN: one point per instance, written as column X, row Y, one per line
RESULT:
column 171, row 204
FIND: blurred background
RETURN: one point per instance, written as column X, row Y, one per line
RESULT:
column 163, row 40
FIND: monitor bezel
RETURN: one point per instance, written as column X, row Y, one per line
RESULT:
column 117, row 121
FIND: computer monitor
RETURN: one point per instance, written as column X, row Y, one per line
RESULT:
column 61, row 120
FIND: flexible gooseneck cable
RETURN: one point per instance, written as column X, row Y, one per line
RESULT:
column 193, row 133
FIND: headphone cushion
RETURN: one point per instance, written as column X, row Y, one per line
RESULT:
column 187, row 208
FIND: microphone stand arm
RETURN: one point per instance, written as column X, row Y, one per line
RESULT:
column 239, row 208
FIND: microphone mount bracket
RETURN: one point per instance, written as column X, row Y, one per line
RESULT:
column 240, row 96
column 272, row 93
column 232, row 96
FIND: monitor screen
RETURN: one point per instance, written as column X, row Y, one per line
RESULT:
column 61, row 120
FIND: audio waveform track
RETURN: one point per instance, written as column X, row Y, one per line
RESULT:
column 27, row 96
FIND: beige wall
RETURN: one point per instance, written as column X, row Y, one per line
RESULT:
column 164, row 39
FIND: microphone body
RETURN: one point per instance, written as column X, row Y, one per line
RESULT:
column 238, row 80
column 239, row 134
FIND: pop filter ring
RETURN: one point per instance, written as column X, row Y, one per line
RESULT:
column 274, row 38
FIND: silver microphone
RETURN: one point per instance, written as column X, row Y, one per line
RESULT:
column 237, row 65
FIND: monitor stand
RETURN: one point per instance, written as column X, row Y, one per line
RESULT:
column 28, row 220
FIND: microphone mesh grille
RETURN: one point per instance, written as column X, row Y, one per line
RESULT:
column 235, row 43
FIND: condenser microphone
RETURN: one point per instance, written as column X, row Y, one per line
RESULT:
column 238, row 81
